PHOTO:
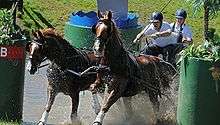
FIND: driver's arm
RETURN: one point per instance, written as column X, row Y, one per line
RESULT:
column 145, row 31
column 164, row 33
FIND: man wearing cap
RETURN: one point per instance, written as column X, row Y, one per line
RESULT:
column 159, row 31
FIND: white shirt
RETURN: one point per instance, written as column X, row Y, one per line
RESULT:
column 186, row 31
column 160, row 41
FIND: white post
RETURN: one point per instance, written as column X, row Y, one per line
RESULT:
column 119, row 8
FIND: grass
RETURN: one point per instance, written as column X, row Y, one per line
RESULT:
column 58, row 11
column 8, row 123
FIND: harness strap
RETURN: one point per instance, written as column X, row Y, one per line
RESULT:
column 136, row 65
column 133, row 60
column 180, row 35
column 84, row 54
column 43, row 65
column 173, row 27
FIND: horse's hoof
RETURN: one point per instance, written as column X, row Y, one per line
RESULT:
column 159, row 122
column 76, row 122
column 41, row 123
column 97, row 123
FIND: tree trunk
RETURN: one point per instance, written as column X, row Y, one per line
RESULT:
column 206, row 19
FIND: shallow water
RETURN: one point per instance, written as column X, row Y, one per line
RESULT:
column 35, row 98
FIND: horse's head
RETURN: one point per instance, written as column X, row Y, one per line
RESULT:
column 103, row 30
column 36, row 49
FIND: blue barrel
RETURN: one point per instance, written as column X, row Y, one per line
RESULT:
column 83, row 19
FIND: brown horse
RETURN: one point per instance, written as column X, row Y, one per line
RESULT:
column 129, row 74
column 64, row 58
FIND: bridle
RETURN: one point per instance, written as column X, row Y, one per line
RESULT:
column 38, row 60
column 100, row 40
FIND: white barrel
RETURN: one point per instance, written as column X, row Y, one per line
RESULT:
column 119, row 8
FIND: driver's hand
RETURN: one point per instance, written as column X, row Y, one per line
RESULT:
column 139, row 36
column 137, row 39
column 154, row 36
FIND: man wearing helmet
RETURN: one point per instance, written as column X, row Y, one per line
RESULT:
column 182, row 35
column 159, row 31
column 184, row 32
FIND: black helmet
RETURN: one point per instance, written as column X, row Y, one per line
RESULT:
column 181, row 13
column 156, row 16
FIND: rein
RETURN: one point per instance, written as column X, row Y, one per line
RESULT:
column 86, row 72
column 44, row 64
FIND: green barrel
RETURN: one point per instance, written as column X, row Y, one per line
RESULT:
column 198, row 98
column 82, row 37
column 79, row 36
column 12, row 67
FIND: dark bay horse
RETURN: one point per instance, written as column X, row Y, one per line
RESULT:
column 129, row 74
column 63, row 57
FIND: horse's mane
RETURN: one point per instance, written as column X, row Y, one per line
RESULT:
column 116, row 34
column 69, row 52
column 52, row 33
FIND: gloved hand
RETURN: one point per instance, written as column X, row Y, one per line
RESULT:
column 154, row 36
column 136, row 40
column 175, row 34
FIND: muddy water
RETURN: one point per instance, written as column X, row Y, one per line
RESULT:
column 35, row 98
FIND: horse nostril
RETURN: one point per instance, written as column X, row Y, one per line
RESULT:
column 33, row 70
column 99, row 49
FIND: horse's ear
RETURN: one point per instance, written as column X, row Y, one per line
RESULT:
column 109, row 15
column 99, row 14
column 40, row 34
column 94, row 29
column 27, row 46
column 34, row 33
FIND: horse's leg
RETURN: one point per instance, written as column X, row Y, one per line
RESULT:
column 154, row 100
column 75, row 104
column 128, row 107
column 113, row 94
column 51, row 94
column 95, row 103
column 97, row 82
